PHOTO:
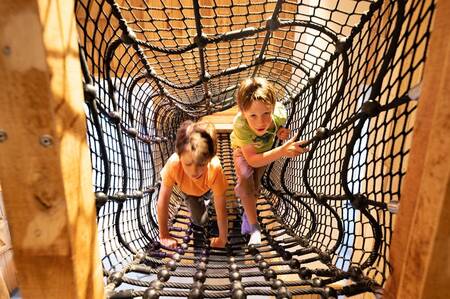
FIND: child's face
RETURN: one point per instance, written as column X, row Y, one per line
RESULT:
column 259, row 117
column 193, row 170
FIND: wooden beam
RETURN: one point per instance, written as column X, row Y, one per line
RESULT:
column 420, row 248
column 45, row 165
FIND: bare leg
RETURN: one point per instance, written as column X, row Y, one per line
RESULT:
column 245, row 189
column 249, row 204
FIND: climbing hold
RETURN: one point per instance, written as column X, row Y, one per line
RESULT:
column 263, row 265
column 322, row 133
column 150, row 294
column 269, row 274
column 156, row 246
column 276, row 246
column 286, row 255
column 196, row 293
column 200, row 276
column 305, row 273
column 206, row 77
column 90, row 92
column 115, row 117
column 252, row 250
column 201, row 40
column 371, row 108
column 356, row 273
column 276, row 284
column 237, row 284
column 258, row 258
column 294, row 264
column 132, row 132
column 316, row 282
column 138, row 194
column 208, row 96
column 235, row 275
column 283, row 293
column 238, row 294
column 359, row 201
column 198, row 285
column 163, row 275
column 100, row 199
column 176, row 257
column 325, row 257
column 303, row 242
column 201, row 266
column 171, row 265
column 157, row 284
column 330, row 293
column 140, row 255
column 116, row 278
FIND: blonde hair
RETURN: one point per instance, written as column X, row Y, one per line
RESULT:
column 200, row 138
column 255, row 89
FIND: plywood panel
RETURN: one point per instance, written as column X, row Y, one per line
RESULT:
column 420, row 253
column 45, row 166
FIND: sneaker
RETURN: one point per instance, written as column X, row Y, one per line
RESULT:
column 255, row 238
column 246, row 228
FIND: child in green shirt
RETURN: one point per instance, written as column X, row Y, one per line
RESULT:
column 259, row 120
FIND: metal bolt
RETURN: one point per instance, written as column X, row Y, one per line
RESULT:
column 7, row 50
column 3, row 136
column 46, row 140
column 393, row 206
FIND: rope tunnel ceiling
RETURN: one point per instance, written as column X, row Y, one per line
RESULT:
column 349, row 74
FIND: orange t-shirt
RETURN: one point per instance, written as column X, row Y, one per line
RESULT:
column 213, row 178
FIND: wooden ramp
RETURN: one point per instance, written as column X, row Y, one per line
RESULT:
column 223, row 121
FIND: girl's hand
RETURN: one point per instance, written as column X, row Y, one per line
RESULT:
column 283, row 133
column 218, row 242
column 168, row 242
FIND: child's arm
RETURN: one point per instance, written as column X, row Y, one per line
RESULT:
column 283, row 133
column 220, row 205
column 290, row 148
column 163, row 217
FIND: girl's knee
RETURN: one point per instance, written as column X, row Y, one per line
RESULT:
column 246, row 173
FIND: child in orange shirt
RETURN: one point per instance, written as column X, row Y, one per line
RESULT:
column 196, row 169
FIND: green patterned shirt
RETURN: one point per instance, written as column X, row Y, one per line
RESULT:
column 242, row 134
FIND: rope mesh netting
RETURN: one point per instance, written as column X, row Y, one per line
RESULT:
column 349, row 74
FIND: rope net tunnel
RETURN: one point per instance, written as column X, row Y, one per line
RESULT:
column 349, row 74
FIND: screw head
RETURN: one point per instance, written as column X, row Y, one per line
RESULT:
column 46, row 140
column 3, row 136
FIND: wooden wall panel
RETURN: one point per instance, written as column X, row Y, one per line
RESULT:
column 45, row 166
column 420, row 250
